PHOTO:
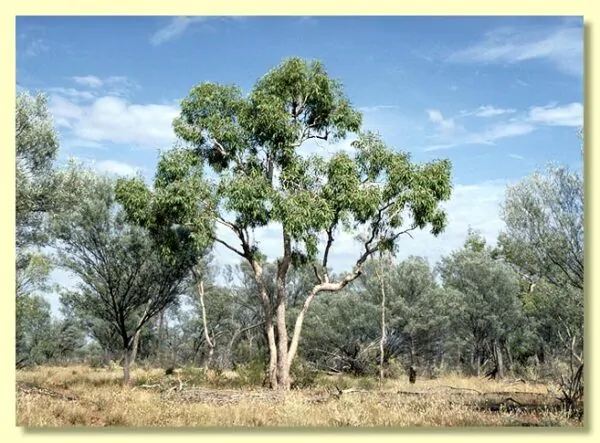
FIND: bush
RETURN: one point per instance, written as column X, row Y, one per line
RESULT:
column 303, row 374
column 252, row 373
column 394, row 370
column 95, row 362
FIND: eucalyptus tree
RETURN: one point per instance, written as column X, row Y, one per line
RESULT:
column 256, row 145
column 124, row 279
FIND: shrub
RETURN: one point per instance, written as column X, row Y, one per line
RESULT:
column 303, row 374
column 252, row 373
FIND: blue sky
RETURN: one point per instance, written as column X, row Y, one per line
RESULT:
column 499, row 96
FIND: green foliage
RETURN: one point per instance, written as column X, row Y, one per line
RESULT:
column 303, row 374
column 41, row 339
column 124, row 280
column 252, row 373
column 255, row 143
column 178, row 211
column 36, row 146
column 33, row 326
column 33, row 270
column 489, row 290
column 545, row 225
column 544, row 241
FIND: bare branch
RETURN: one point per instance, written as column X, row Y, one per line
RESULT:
column 228, row 246
column 228, row 224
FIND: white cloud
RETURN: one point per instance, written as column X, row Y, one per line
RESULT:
column 327, row 149
column 377, row 108
column 73, row 143
column 450, row 135
column 487, row 111
column 175, row 28
column 113, row 119
column 88, row 80
column 561, row 46
column 115, row 167
column 553, row 115
column 446, row 126
column 486, row 136
column 516, row 156
column 500, row 131
column 178, row 25
column 65, row 111
column 114, row 85
column 73, row 93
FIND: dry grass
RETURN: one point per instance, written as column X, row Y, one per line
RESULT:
column 80, row 396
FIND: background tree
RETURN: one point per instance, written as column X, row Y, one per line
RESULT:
column 544, row 241
column 491, row 299
column 124, row 280
column 255, row 144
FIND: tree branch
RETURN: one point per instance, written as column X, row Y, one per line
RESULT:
column 228, row 246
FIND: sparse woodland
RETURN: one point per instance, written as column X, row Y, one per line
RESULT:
column 154, row 319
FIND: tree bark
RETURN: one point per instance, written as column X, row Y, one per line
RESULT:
column 136, row 343
column 136, row 336
column 160, row 338
column 209, row 342
column 499, row 360
column 126, row 368
column 283, row 366
column 382, row 340
column 270, row 330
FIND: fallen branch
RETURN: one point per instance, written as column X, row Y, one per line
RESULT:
column 463, row 389
column 351, row 390
column 513, row 400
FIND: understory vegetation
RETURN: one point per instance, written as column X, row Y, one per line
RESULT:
column 81, row 396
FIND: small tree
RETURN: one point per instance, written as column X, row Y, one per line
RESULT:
column 124, row 279
column 255, row 144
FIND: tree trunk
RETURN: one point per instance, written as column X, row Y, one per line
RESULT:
column 209, row 342
column 136, row 343
column 509, row 357
column 126, row 367
column 270, row 330
column 382, row 340
column 283, row 365
column 499, row 360
column 160, row 338
column 283, row 368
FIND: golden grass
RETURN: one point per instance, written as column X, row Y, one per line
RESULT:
column 81, row 396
